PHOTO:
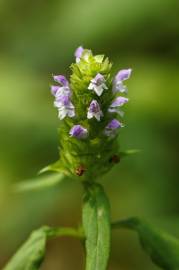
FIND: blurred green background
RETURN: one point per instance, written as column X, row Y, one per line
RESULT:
column 38, row 38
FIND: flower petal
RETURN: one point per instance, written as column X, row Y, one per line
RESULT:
column 123, row 74
column 79, row 51
column 54, row 89
column 119, row 101
column 61, row 80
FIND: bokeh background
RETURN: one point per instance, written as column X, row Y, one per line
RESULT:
column 38, row 38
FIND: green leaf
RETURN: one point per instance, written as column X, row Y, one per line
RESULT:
column 54, row 167
column 161, row 246
column 39, row 183
column 30, row 256
column 129, row 152
column 96, row 224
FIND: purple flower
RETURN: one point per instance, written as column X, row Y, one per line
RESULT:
column 78, row 132
column 94, row 110
column 78, row 53
column 113, row 124
column 65, row 107
column 111, row 128
column 97, row 84
column 61, row 80
column 118, row 102
column 62, row 95
column 62, row 89
column 121, row 76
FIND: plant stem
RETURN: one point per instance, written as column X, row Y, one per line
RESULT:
column 68, row 231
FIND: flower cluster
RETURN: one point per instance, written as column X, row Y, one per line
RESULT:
column 89, row 105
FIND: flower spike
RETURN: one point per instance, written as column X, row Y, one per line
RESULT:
column 88, row 105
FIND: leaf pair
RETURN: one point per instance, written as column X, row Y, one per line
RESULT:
column 162, row 247
column 58, row 175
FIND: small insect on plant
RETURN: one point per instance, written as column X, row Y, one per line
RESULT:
column 89, row 106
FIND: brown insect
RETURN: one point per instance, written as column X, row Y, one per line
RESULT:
column 115, row 159
column 80, row 170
